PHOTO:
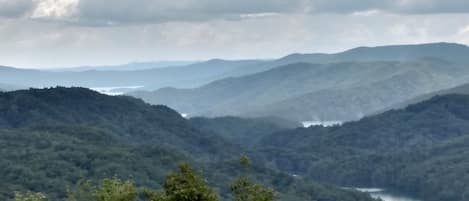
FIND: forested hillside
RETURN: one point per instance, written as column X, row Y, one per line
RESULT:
column 242, row 132
column 53, row 138
column 421, row 150
column 461, row 89
column 305, row 92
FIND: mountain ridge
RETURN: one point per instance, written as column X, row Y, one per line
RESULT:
column 421, row 150
column 261, row 93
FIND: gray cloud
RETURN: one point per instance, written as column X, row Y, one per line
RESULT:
column 82, row 32
column 155, row 11
column 15, row 8
column 35, row 44
column 125, row 11
column 138, row 11
column 392, row 6
column 116, row 12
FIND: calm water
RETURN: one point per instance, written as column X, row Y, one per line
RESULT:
column 115, row 91
column 307, row 124
column 386, row 196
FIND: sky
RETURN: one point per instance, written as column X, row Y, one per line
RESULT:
column 65, row 33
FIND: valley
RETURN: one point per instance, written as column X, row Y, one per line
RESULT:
column 222, row 100
column 343, row 90
column 308, row 128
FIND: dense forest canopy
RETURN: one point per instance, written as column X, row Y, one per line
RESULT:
column 421, row 150
column 54, row 138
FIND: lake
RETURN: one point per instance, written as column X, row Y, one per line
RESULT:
column 115, row 91
column 307, row 124
column 386, row 196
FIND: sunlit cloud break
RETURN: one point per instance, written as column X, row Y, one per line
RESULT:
column 55, row 9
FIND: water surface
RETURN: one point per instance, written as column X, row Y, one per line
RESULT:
column 307, row 124
column 115, row 91
column 385, row 195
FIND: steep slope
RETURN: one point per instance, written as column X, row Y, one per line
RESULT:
column 130, row 119
column 461, row 89
column 53, row 159
column 419, row 150
column 355, row 102
column 53, row 138
column 302, row 91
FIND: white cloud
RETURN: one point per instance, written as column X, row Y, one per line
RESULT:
column 257, row 15
column 366, row 13
column 55, row 9
column 463, row 34
column 464, row 31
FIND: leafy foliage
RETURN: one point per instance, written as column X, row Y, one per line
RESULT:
column 116, row 190
column 85, row 191
column 29, row 196
column 184, row 186
column 244, row 190
column 245, row 132
column 54, row 138
column 421, row 150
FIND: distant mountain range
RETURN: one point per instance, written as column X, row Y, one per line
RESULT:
column 9, row 87
column 446, row 51
column 300, row 87
column 338, row 87
column 154, row 75
column 421, row 150
column 192, row 75
column 125, row 67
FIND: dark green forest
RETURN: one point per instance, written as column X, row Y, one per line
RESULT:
column 53, row 139
column 421, row 150
column 244, row 132
column 182, row 185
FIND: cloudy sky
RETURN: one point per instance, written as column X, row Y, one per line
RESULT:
column 59, row 33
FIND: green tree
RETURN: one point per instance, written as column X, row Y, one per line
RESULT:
column 29, row 196
column 116, row 190
column 245, row 161
column 184, row 185
column 244, row 189
column 85, row 191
